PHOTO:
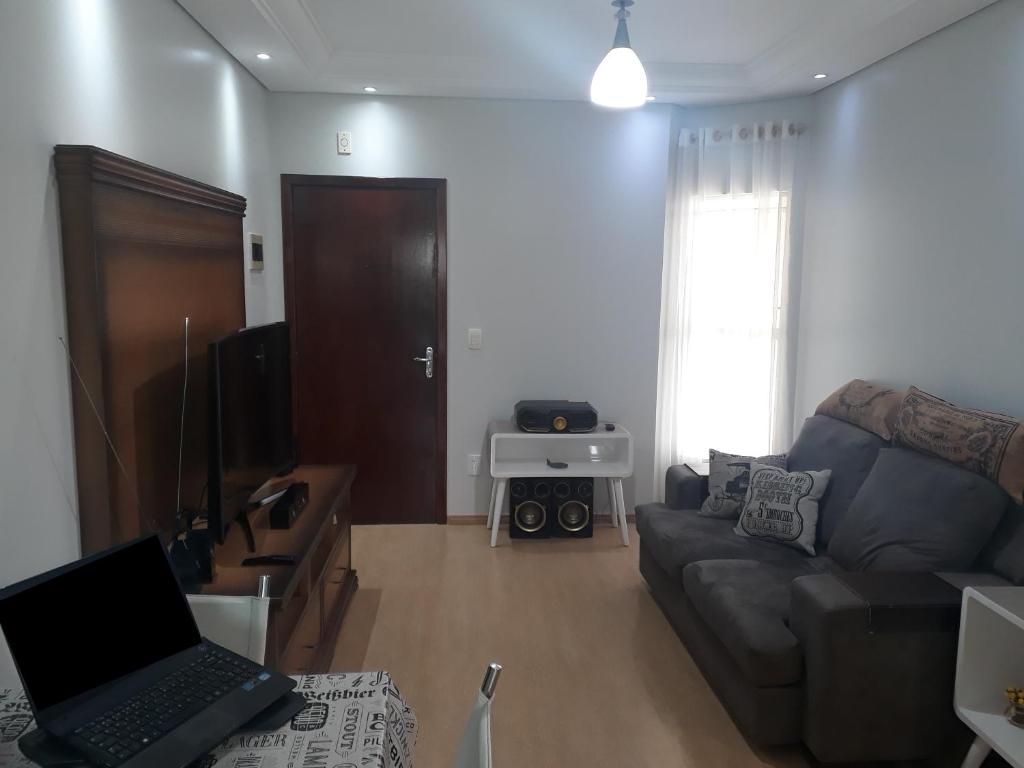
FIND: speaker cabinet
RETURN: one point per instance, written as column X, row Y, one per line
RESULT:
column 542, row 507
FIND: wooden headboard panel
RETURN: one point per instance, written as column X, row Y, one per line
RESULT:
column 142, row 249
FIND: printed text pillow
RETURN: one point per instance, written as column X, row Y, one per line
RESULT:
column 782, row 506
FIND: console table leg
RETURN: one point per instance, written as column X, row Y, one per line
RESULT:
column 613, row 505
column 622, row 512
column 490, row 509
column 976, row 754
column 499, row 499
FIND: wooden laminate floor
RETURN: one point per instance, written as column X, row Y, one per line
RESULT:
column 594, row 675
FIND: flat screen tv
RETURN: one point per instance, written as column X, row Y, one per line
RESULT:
column 250, row 408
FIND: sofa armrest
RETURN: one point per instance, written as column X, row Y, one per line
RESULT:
column 684, row 488
column 878, row 673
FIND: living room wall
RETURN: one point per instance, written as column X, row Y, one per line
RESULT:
column 914, row 249
column 140, row 78
column 555, row 223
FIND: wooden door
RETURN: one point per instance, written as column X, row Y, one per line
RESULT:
column 365, row 295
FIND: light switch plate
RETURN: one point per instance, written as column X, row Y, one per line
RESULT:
column 473, row 467
column 476, row 338
column 344, row 142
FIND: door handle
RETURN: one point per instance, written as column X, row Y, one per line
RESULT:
column 428, row 362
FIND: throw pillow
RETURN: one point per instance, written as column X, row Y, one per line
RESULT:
column 917, row 513
column 868, row 406
column 782, row 506
column 990, row 444
column 727, row 482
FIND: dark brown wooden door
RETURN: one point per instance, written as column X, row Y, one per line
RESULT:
column 365, row 295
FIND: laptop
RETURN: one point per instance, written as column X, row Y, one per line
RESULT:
column 114, row 666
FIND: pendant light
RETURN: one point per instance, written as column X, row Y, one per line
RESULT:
column 620, row 81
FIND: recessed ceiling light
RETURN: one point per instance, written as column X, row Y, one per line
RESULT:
column 369, row 89
column 650, row 98
column 263, row 56
column 820, row 76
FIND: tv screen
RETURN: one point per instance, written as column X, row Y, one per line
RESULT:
column 250, row 410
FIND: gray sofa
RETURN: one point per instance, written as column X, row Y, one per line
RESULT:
column 794, row 646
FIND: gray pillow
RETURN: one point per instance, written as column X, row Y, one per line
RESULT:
column 782, row 506
column 728, row 477
column 849, row 451
column 1004, row 553
column 917, row 513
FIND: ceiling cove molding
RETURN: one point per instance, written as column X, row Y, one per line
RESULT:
column 295, row 23
column 802, row 50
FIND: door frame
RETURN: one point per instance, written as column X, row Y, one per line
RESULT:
column 288, row 182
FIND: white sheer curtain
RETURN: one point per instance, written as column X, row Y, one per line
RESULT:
column 722, row 373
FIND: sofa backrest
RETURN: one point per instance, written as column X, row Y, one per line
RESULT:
column 1004, row 553
column 849, row 451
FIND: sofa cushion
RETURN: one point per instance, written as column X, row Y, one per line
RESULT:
column 917, row 513
column 1004, row 553
column 746, row 604
column 677, row 537
column 849, row 451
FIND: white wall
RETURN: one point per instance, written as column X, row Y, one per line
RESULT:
column 140, row 78
column 555, row 225
column 914, row 252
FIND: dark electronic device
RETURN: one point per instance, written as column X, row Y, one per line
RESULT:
column 250, row 421
column 555, row 416
column 136, row 686
column 609, row 427
column 557, row 464
column 543, row 507
column 287, row 508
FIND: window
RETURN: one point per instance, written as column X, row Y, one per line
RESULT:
column 732, row 330
column 722, row 370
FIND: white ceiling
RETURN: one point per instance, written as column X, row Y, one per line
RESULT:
column 695, row 51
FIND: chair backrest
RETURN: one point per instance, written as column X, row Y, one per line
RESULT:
column 475, row 749
column 237, row 623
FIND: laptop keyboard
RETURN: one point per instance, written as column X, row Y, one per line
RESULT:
column 154, row 712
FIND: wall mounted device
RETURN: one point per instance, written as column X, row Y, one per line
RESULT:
column 255, row 252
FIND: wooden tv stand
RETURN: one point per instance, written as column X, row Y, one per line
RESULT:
column 308, row 598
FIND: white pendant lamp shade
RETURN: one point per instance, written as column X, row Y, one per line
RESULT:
column 620, row 81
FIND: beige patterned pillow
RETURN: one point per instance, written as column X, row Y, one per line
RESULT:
column 989, row 444
column 869, row 406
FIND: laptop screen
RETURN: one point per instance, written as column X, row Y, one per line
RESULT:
column 92, row 622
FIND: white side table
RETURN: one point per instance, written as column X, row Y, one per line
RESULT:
column 989, row 659
column 598, row 454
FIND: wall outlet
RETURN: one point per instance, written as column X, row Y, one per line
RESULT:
column 344, row 142
column 476, row 338
column 473, row 464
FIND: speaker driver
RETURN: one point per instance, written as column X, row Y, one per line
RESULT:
column 519, row 489
column 530, row 516
column 560, row 423
column 541, row 490
column 562, row 489
column 586, row 488
column 573, row 516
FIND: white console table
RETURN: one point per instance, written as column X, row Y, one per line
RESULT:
column 990, row 659
column 598, row 454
